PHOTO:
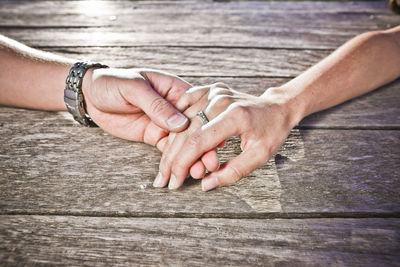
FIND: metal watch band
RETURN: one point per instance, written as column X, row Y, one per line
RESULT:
column 73, row 95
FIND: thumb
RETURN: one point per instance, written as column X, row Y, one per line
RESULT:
column 233, row 170
column 160, row 111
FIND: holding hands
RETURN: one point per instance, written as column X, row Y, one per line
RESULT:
column 362, row 64
column 141, row 105
column 146, row 105
column 262, row 123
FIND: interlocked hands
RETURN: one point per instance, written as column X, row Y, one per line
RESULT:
column 262, row 123
column 144, row 105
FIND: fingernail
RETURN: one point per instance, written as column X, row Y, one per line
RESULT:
column 210, row 182
column 177, row 121
column 173, row 182
column 158, row 182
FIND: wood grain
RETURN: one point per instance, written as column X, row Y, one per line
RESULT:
column 249, row 24
column 76, row 196
column 75, row 170
column 88, row 241
column 186, row 61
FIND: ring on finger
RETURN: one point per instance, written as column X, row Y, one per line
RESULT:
column 202, row 116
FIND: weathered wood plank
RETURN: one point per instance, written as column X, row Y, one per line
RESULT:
column 65, row 8
column 363, row 112
column 58, row 240
column 60, row 170
column 318, row 173
column 214, row 62
column 246, row 24
column 261, row 37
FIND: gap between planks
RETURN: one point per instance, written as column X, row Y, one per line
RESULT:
column 265, row 215
column 182, row 46
column 300, row 127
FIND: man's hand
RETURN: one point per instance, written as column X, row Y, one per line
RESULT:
column 135, row 104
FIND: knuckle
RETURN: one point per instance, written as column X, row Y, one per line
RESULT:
column 152, row 139
column 241, row 111
column 236, row 174
column 159, row 106
column 166, row 162
column 195, row 140
column 221, row 84
column 177, row 92
column 266, row 152
column 225, row 100
column 180, row 89
column 219, row 103
column 241, row 114
column 216, row 90
column 187, row 100
column 262, row 159
column 179, row 169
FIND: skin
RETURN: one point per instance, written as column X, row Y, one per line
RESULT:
column 118, row 100
column 263, row 123
column 133, row 104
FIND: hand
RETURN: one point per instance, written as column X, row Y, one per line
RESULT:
column 263, row 124
column 135, row 104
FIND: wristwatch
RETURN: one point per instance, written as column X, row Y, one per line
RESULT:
column 73, row 95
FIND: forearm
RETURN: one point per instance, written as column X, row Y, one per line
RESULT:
column 31, row 78
column 361, row 65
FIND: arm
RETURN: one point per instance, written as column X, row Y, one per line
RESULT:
column 359, row 66
column 263, row 123
column 134, row 104
column 31, row 78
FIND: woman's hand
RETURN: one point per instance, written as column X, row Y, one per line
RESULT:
column 263, row 124
column 135, row 104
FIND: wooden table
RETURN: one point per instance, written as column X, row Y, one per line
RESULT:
column 77, row 196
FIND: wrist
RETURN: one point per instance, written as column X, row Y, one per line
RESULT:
column 87, row 83
column 73, row 93
column 292, row 105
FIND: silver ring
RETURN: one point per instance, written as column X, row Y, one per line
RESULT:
column 202, row 116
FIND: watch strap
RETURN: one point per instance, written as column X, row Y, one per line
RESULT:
column 73, row 94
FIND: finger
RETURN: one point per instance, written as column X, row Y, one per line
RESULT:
column 166, row 84
column 198, row 170
column 161, row 179
column 162, row 144
column 161, row 112
column 222, row 144
column 166, row 160
column 209, row 161
column 194, row 146
column 126, row 126
column 235, row 169
column 153, row 134
column 175, row 142
column 194, row 94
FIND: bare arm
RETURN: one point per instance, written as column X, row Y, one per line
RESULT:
column 263, row 123
column 359, row 66
column 134, row 104
column 31, row 78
